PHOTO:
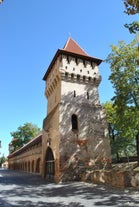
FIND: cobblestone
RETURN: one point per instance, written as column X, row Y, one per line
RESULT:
column 25, row 189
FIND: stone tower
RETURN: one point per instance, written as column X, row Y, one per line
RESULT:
column 75, row 133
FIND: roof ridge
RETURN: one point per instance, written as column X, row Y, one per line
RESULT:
column 72, row 46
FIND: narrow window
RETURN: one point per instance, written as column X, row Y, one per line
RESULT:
column 74, row 121
column 74, row 94
column 72, row 76
column 66, row 75
column 84, row 78
column 89, row 79
column 78, row 77
column 87, row 95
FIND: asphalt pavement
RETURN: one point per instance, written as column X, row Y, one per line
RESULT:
column 19, row 189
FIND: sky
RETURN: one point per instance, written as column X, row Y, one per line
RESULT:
column 30, row 34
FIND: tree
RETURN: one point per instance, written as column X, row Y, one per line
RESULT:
column 124, row 64
column 133, row 27
column 2, row 159
column 120, row 145
column 24, row 134
column 131, row 6
column 110, row 110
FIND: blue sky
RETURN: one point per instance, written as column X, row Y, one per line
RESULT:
column 30, row 34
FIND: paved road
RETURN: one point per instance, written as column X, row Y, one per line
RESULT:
column 19, row 189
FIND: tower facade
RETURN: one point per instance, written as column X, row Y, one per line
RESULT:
column 75, row 132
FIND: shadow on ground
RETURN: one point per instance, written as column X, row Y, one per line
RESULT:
column 25, row 189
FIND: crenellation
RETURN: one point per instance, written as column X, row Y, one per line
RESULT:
column 95, row 79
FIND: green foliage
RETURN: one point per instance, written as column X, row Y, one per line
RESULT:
column 121, row 144
column 124, row 64
column 131, row 6
column 124, row 61
column 2, row 159
column 133, row 27
column 24, row 134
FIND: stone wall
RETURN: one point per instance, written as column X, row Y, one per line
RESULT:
column 112, row 178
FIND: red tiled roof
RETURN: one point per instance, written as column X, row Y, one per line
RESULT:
column 27, row 145
column 73, row 47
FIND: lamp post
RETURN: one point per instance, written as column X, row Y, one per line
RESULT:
column 11, row 148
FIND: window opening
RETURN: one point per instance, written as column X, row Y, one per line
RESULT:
column 84, row 78
column 87, row 95
column 72, row 76
column 66, row 75
column 78, row 77
column 74, row 93
column 74, row 120
column 89, row 79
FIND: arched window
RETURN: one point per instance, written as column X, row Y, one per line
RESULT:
column 74, row 121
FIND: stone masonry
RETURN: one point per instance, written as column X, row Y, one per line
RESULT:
column 75, row 128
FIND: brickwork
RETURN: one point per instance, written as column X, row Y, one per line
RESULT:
column 28, row 158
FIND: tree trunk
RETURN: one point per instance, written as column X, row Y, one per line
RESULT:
column 117, row 157
column 137, row 146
